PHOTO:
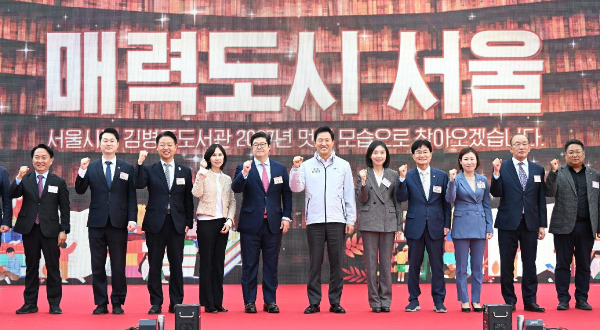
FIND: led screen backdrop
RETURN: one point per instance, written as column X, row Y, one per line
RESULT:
column 457, row 72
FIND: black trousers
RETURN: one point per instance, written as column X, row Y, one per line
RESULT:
column 115, row 241
column 416, row 253
column 317, row 235
column 211, row 252
column 35, row 243
column 508, row 242
column 168, row 238
column 578, row 243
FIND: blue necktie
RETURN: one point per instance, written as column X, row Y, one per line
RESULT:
column 108, row 173
column 522, row 175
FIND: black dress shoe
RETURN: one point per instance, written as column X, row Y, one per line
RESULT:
column 476, row 309
column 55, row 309
column 465, row 309
column 583, row 305
column 171, row 308
column 376, row 309
column 271, row 308
column 155, row 309
column 117, row 309
column 100, row 309
column 562, row 306
column 534, row 308
column 27, row 309
column 222, row 309
column 250, row 308
column 336, row 308
column 311, row 309
column 385, row 309
column 210, row 310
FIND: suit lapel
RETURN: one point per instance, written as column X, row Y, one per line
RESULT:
column 254, row 171
column 117, row 174
column 31, row 181
column 513, row 172
column 462, row 180
column 161, row 174
column 99, row 169
column 564, row 170
column 176, row 173
column 377, row 188
column 47, row 183
column 416, row 177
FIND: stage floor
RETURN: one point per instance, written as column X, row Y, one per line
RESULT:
column 78, row 304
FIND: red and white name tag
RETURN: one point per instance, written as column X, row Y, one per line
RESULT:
column 437, row 189
column 537, row 178
column 480, row 184
column 595, row 185
column 52, row 189
column 278, row 180
column 386, row 182
column 180, row 181
column 124, row 176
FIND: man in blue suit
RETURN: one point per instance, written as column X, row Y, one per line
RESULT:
column 521, row 219
column 169, row 216
column 6, row 212
column 265, row 214
column 113, row 211
column 427, row 223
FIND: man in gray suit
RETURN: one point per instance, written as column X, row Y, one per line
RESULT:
column 575, row 188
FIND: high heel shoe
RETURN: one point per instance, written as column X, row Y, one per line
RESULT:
column 477, row 309
column 465, row 309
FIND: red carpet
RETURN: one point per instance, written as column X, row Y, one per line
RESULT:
column 77, row 306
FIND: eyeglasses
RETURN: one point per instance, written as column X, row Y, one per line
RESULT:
column 259, row 145
column 419, row 152
column 519, row 144
column 573, row 153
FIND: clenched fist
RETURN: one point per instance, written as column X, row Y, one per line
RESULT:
column 298, row 161
column 497, row 163
column 203, row 163
column 402, row 171
column 452, row 174
column 363, row 176
column 143, row 155
column 246, row 167
column 554, row 164
column 22, row 171
column 84, row 163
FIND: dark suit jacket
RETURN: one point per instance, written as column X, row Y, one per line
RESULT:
column 6, row 212
column 435, row 212
column 277, row 199
column 180, row 196
column 47, row 206
column 513, row 199
column 379, row 209
column 119, row 203
column 561, row 186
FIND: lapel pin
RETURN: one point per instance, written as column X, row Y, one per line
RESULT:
column 179, row 168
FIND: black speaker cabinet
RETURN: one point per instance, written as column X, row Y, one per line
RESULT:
column 147, row 324
column 534, row 325
column 187, row 317
column 497, row 317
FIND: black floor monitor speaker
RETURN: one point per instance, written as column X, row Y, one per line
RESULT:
column 187, row 317
column 147, row 324
column 497, row 317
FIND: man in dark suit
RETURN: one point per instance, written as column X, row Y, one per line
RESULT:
column 427, row 223
column 169, row 216
column 113, row 211
column 265, row 214
column 574, row 222
column 6, row 211
column 521, row 219
column 43, row 230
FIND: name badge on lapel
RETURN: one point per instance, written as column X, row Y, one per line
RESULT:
column 52, row 189
column 537, row 178
column 278, row 180
column 124, row 176
column 386, row 182
column 595, row 185
column 180, row 181
column 480, row 184
column 437, row 189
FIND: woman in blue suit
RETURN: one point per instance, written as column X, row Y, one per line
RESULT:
column 471, row 224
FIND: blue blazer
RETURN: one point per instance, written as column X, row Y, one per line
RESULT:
column 6, row 212
column 513, row 199
column 277, row 199
column 180, row 197
column 119, row 203
column 435, row 212
column 472, row 216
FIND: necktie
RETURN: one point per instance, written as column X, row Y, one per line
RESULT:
column 40, row 190
column 108, row 173
column 425, row 182
column 168, row 175
column 265, row 180
column 522, row 175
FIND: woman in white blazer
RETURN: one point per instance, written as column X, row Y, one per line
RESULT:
column 471, row 225
column 214, row 219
